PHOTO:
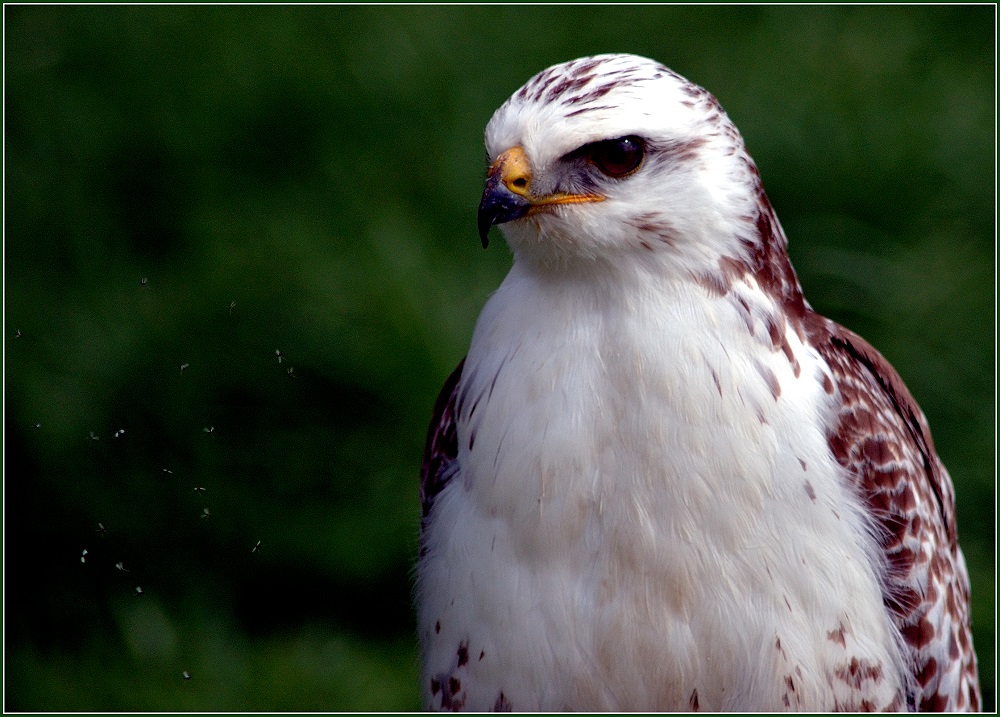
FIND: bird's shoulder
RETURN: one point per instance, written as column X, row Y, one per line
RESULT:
column 441, row 447
column 880, row 436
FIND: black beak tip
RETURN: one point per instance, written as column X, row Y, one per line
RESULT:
column 499, row 205
column 484, row 229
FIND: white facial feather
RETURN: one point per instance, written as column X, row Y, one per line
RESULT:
column 688, row 201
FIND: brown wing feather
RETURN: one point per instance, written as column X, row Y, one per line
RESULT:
column 442, row 443
column 882, row 438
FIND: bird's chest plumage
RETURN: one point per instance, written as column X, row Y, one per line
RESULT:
column 646, row 516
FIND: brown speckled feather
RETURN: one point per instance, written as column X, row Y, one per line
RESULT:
column 881, row 437
column 441, row 446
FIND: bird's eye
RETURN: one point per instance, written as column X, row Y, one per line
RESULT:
column 617, row 157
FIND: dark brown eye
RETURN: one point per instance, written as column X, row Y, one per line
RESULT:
column 617, row 157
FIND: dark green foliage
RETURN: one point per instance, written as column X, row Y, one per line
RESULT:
column 207, row 185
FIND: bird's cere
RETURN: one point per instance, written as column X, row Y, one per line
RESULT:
column 508, row 194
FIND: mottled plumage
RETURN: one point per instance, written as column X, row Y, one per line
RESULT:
column 659, row 480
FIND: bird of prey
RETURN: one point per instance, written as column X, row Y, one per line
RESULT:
column 659, row 480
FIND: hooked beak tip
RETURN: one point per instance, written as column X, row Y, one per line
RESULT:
column 499, row 205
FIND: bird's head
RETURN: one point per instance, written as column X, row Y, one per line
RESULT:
column 616, row 154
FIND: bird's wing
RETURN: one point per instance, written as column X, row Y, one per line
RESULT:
column 881, row 437
column 441, row 448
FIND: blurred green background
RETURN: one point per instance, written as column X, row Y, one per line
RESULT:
column 206, row 186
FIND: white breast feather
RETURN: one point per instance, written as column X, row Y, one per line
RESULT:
column 609, row 520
